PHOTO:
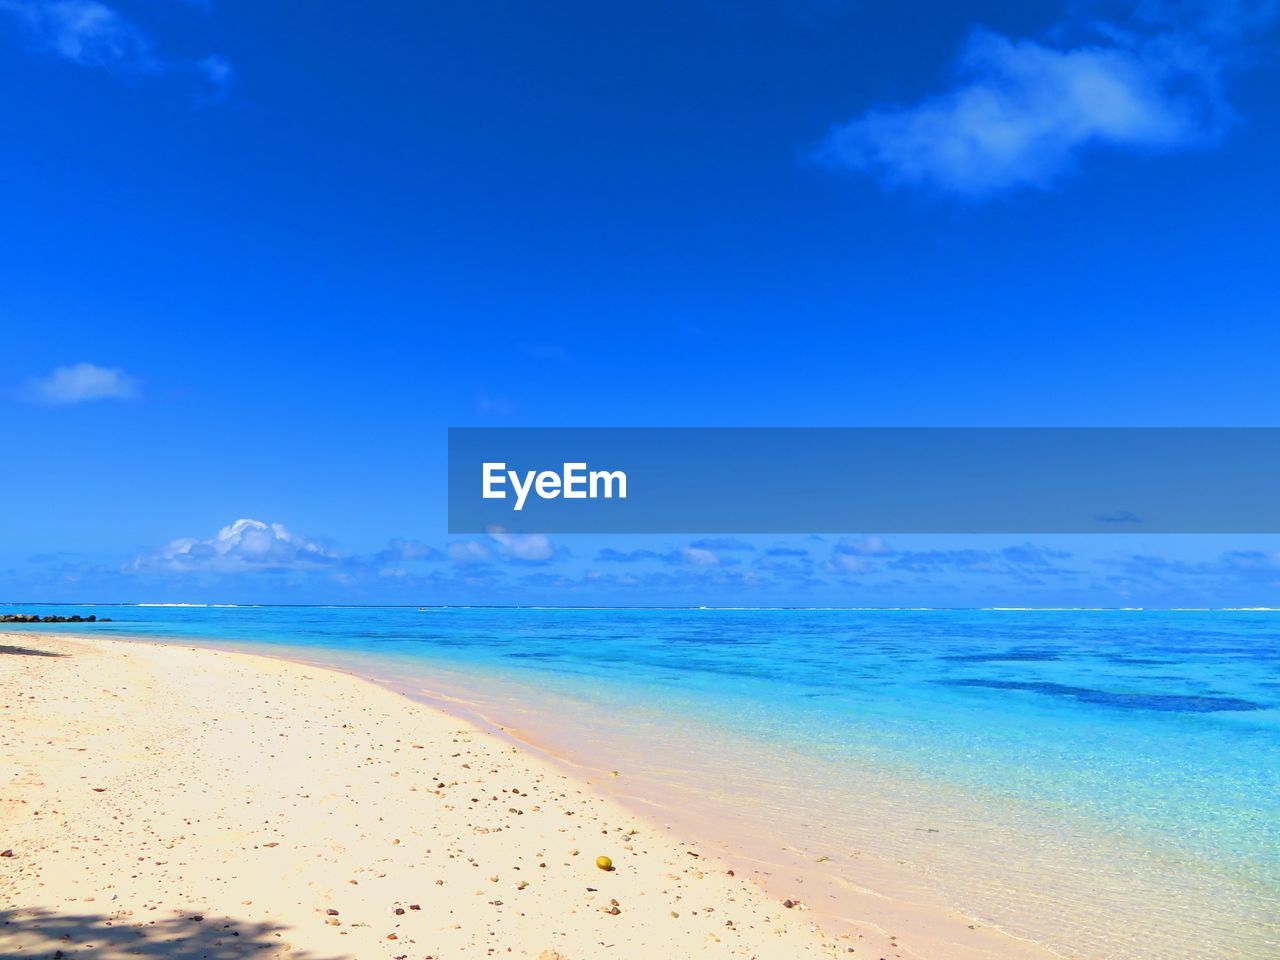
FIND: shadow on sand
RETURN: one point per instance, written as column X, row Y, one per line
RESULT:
column 11, row 650
column 45, row 934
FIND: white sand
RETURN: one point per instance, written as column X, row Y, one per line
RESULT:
column 165, row 801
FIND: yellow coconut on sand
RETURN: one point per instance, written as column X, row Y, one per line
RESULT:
column 604, row 863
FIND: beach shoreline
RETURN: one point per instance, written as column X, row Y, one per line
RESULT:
column 95, row 712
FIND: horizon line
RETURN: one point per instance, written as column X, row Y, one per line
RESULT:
column 708, row 607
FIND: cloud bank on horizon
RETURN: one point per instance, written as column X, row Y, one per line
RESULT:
column 251, row 560
column 1023, row 112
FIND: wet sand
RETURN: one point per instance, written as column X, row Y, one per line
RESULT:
column 163, row 800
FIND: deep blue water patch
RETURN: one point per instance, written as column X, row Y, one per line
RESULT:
column 1009, row 656
column 1169, row 702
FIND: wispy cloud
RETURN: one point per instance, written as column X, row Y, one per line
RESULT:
column 1022, row 112
column 1024, row 563
column 854, row 555
column 524, row 548
column 218, row 73
column 400, row 550
column 872, row 546
column 699, row 557
column 84, row 32
column 92, row 34
column 82, row 382
column 610, row 555
column 795, row 552
column 696, row 554
column 466, row 553
column 729, row 544
column 1258, row 567
column 492, row 405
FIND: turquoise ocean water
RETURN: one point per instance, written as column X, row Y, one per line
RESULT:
column 1104, row 782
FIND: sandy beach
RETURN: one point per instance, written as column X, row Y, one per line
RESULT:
column 163, row 800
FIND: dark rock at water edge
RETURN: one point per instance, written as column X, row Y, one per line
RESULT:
column 33, row 618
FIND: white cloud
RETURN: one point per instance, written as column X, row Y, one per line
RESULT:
column 699, row 557
column 847, row 563
column 81, row 382
column 1022, row 112
column 851, row 555
column 468, row 552
column 92, row 34
column 531, row 548
column 872, row 546
column 246, row 544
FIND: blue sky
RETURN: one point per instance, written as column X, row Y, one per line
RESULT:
column 256, row 260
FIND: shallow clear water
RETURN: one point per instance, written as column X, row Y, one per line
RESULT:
column 1105, row 782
